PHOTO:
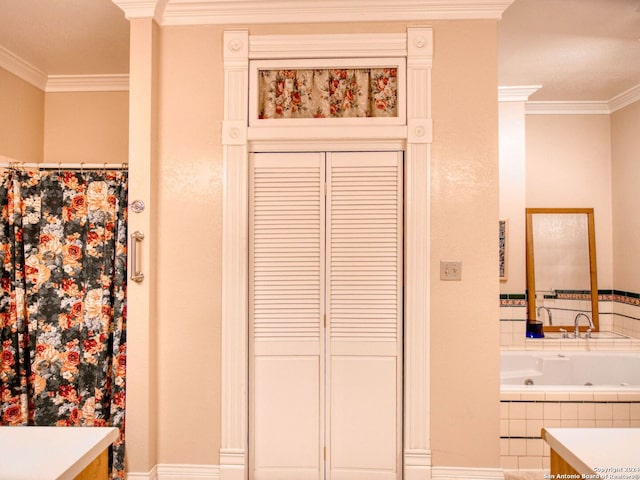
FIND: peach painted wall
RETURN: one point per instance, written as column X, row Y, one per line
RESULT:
column 465, row 428
column 625, row 155
column 190, row 241
column 21, row 119
column 90, row 127
column 464, row 226
column 569, row 165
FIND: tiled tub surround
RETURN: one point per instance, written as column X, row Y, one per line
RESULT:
column 560, row 399
column 525, row 411
column 618, row 312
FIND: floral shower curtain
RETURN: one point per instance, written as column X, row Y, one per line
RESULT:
column 63, row 300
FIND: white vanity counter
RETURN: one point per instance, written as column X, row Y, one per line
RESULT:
column 52, row 453
column 610, row 453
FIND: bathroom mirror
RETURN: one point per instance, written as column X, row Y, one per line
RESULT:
column 561, row 268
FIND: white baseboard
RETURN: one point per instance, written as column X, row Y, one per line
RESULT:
column 150, row 475
column 459, row 473
column 178, row 472
column 212, row 472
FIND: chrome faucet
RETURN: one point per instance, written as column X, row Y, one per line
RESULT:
column 577, row 323
column 546, row 309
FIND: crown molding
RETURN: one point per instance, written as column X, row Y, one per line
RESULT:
column 61, row 83
column 88, row 83
column 198, row 12
column 22, row 69
column 517, row 93
column 567, row 108
column 624, row 99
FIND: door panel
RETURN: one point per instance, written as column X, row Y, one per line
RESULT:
column 362, row 414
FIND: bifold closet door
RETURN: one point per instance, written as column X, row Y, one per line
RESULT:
column 364, row 259
column 286, row 258
column 326, row 316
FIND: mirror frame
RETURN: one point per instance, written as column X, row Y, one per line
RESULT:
column 531, row 288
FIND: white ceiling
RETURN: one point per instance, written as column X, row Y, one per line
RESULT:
column 577, row 50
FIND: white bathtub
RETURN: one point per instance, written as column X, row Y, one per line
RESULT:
column 569, row 370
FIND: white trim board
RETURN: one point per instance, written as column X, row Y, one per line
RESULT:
column 22, row 69
column 212, row 472
column 177, row 472
column 464, row 473
column 61, row 83
column 603, row 107
column 88, row 83
column 238, row 140
column 219, row 12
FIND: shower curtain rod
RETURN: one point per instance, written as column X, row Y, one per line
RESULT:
column 66, row 166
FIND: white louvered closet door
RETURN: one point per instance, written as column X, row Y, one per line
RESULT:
column 364, row 315
column 286, row 258
column 325, row 397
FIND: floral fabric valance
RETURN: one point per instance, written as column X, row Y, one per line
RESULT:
column 328, row 93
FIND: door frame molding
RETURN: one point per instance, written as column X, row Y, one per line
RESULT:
column 238, row 139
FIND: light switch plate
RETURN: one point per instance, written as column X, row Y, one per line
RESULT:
column 450, row 270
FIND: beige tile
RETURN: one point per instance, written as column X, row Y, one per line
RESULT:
column 546, row 464
column 517, row 447
column 510, row 396
column 569, row 423
column 504, row 446
column 569, row 411
column 534, row 411
column 517, row 428
column 586, row 411
column 551, row 411
column 534, row 427
column 634, row 410
column 604, row 411
column 504, row 427
column 604, row 423
column 546, row 450
column 509, row 463
column 534, row 447
column 605, row 396
column 504, row 409
column 621, row 411
column 586, row 423
column 557, row 396
column 621, row 423
column 517, row 410
column 533, row 396
column 629, row 396
column 554, row 423
column 581, row 396
column 530, row 463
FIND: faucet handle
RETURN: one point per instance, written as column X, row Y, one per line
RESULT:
column 588, row 334
column 565, row 334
